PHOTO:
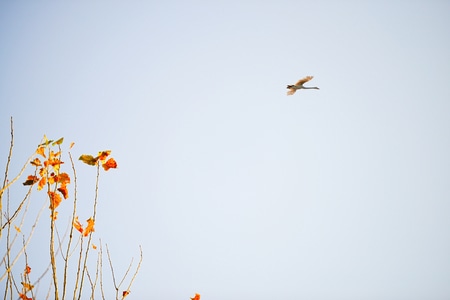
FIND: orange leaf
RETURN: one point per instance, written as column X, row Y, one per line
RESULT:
column 41, row 151
column 125, row 293
column 63, row 190
column 27, row 269
column 196, row 297
column 42, row 183
column 94, row 247
column 36, row 162
column 55, row 200
column 77, row 225
column 17, row 228
column 110, row 163
column 24, row 297
column 103, row 155
column 42, row 172
column 31, row 179
column 89, row 228
column 64, row 178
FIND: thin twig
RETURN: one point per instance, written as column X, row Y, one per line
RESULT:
column 5, row 180
column 71, row 227
column 90, row 235
column 137, row 269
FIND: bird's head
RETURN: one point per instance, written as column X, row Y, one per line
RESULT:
column 289, row 86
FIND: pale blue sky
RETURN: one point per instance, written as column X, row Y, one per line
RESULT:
column 233, row 189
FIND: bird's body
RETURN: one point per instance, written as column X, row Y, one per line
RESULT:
column 299, row 85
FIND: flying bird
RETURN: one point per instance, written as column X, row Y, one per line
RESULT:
column 299, row 85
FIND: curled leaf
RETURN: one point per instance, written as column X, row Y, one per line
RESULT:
column 77, row 225
column 64, row 192
column 27, row 269
column 196, row 297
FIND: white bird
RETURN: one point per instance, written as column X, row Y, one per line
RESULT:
column 299, row 85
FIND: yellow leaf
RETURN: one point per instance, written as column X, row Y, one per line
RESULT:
column 27, row 286
column 17, row 228
column 41, row 151
column 88, row 159
column 58, row 142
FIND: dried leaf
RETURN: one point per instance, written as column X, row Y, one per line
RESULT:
column 63, row 178
column 77, row 225
column 17, row 228
column 55, row 200
column 36, row 162
column 24, row 297
column 88, row 159
column 103, row 155
column 71, row 145
column 196, row 297
column 27, row 269
column 125, row 293
column 89, row 228
column 41, row 151
column 94, row 247
column 42, row 183
column 63, row 190
column 31, row 179
column 27, row 286
column 110, row 164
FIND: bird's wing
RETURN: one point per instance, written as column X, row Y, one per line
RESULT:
column 291, row 91
column 303, row 80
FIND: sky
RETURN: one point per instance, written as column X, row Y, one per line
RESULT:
column 233, row 189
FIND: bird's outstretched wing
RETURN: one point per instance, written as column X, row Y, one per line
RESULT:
column 303, row 80
column 291, row 91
